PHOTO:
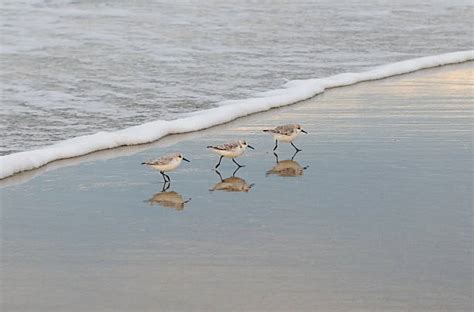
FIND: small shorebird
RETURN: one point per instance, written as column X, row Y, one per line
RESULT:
column 166, row 163
column 286, row 133
column 230, row 150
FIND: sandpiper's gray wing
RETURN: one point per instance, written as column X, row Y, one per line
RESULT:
column 227, row 146
column 161, row 161
column 285, row 129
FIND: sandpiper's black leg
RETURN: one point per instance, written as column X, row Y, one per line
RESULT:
column 235, row 171
column 166, row 186
column 168, row 177
column 276, row 145
column 233, row 159
column 296, row 152
column 276, row 157
column 220, row 176
column 219, row 163
column 297, row 149
column 164, row 176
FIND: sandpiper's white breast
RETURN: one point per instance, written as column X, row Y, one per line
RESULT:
column 168, row 166
column 285, row 138
column 230, row 153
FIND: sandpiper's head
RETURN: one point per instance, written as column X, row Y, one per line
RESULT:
column 244, row 144
column 180, row 156
column 299, row 129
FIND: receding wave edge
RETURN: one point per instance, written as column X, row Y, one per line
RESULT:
column 292, row 92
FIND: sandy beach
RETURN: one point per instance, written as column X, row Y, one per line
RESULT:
column 374, row 214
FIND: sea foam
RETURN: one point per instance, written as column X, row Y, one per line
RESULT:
column 292, row 92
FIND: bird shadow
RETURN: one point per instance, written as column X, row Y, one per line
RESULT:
column 287, row 168
column 232, row 183
column 168, row 199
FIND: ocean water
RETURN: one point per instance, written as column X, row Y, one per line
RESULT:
column 72, row 68
column 380, row 219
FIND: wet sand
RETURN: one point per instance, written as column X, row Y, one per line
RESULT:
column 375, row 214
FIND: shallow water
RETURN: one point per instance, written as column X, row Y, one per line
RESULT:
column 380, row 219
column 72, row 68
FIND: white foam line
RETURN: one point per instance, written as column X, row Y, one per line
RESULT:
column 292, row 92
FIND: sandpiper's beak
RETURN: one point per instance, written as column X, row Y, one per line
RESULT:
column 250, row 147
column 186, row 159
column 304, row 131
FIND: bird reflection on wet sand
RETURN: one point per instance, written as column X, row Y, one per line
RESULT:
column 232, row 184
column 169, row 199
column 287, row 168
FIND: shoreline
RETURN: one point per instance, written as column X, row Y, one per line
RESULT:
column 295, row 91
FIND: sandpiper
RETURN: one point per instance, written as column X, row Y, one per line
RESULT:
column 230, row 150
column 286, row 133
column 166, row 163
